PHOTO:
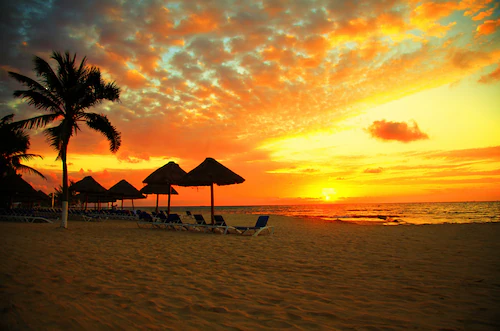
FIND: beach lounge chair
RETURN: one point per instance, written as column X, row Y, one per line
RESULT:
column 92, row 218
column 200, row 220
column 200, row 223
column 174, row 222
column 260, row 226
column 147, row 220
column 221, row 225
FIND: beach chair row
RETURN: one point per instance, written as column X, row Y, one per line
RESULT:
column 55, row 214
column 22, row 215
column 174, row 222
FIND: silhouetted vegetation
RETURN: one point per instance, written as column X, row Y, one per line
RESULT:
column 64, row 96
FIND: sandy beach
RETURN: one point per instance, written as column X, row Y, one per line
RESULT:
column 309, row 275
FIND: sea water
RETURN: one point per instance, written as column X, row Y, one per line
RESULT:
column 369, row 214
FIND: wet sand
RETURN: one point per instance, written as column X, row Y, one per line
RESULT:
column 309, row 275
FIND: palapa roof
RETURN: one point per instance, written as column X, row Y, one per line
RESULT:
column 15, row 184
column 15, row 187
column 158, row 189
column 170, row 173
column 87, row 185
column 125, row 190
column 211, row 172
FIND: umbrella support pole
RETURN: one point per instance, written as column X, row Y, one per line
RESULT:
column 157, row 198
column 212, row 201
column 169, row 194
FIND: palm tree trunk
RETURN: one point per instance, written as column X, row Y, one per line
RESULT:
column 65, row 190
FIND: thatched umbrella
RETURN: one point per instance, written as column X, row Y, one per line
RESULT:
column 15, row 189
column 89, row 187
column 159, row 189
column 208, row 173
column 124, row 190
column 163, row 179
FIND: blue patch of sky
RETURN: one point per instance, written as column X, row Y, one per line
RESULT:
column 208, row 75
column 299, row 23
column 416, row 32
column 351, row 45
column 176, row 7
column 235, row 64
column 226, row 42
column 30, row 12
column 165, row 60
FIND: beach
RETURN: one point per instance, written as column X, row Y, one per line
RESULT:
column 308, row 275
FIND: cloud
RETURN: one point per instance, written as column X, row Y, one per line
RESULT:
column 373, row 170
column 486, row 153
column 488, row 27
column 129, row 157
column 492, row 77
column 399, row 131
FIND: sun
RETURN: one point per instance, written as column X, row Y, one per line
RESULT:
column 328, row 193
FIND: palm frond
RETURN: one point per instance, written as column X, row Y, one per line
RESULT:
column 54, row 136
column 38, row 121
column 26, row 81
column 37, row 94
column 42, row 101
column 7, row 119
column 27, row 157
column 44, row 70
column 27, row 169
column 101, row 124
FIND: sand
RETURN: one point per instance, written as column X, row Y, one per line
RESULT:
column 309, row 275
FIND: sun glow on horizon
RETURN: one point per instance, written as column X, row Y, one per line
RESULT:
column 329, row 194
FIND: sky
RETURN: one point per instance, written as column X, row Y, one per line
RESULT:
column 310, row 101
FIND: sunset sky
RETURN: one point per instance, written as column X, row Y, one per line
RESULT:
column 309, row 101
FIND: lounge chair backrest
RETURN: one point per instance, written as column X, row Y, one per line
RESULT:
column 219, row 220
column 199, row 219
column 173, row 218
column 261, row 221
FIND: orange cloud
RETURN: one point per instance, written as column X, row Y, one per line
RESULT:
column 373, row 170
column 316, row 45
column 129, row 157
column 484, row 14
column 473, row 6
column 491, row 77
column 399, row 131
column 487, row 153
column 488, row 27
column 426, row 17
column 199, row 23
column 134, row 79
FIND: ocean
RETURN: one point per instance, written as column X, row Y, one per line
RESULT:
column 368, row 214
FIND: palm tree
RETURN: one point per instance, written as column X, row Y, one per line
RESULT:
column 15, row 144
column 65, row 97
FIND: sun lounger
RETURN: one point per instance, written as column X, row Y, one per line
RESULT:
column 174, row 222
column 200, row 220
column 147, row 220
column 92, row 218
column 199, row 225
column 260, row 226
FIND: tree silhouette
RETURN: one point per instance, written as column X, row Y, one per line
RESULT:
column 14, row 147
column 65, row 95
